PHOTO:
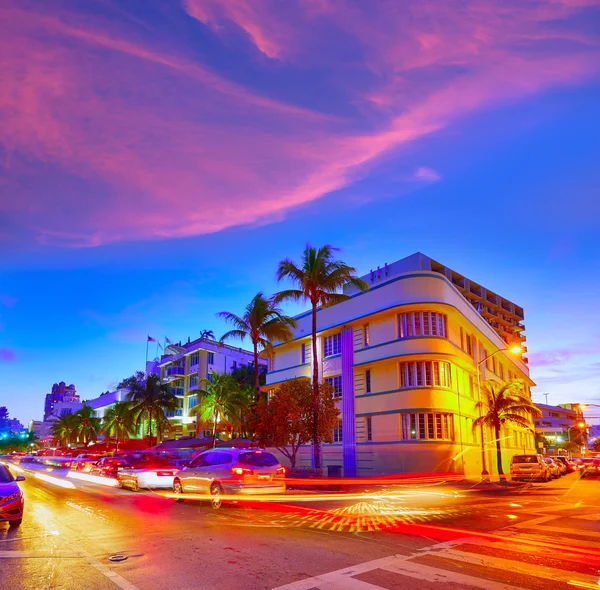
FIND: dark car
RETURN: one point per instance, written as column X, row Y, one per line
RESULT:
column 570, row 467
column 591, row 469
column 110, row 466
column 11, row 497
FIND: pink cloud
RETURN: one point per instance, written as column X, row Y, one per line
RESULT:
column 427, row 174
column 6, row 355
column 169, row 148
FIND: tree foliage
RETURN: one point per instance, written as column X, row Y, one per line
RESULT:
column 319, row 279
column 504, row 405
column 286, row 421
column 118, row 421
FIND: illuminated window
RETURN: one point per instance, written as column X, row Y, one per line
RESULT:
column 337, row 433
column 425, row 374
column 368, row 381
column 428, row 426
column 366, row 337
column 422, row 323
column 336, row 383
column 333, row 344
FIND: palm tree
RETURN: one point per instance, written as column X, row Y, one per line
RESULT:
column 88, row 425
column 221, row 400
column 118, row 422
column 209, row 334
column 262, row 322
column 504, row 404
column 318, row 279
column 149, row 399
column 64, row 429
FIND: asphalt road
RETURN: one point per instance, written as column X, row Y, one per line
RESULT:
column 545, row 536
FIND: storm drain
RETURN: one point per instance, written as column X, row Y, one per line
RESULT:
column 117, row 558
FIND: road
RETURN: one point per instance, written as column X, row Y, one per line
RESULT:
column 546, row 536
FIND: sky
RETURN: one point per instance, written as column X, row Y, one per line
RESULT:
column 159, row 157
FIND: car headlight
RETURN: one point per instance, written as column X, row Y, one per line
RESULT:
column 15, row 496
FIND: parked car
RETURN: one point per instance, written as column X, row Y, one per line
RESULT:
column 110, row 466
column 84, row 462
column 231, row 471
column 554, row 468
column 529, row 467
column 561, row 466
column 591, row 469
column 577, row 463
column 11, row 497
column 569, row 466
column 152, row 477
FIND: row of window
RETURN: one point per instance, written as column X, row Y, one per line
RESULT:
column 427, row 426
column 422, row 323
column 425, row 374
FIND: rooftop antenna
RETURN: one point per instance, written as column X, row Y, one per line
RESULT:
column 546, row 394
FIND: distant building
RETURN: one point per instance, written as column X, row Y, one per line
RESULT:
column 62, row 400
column 558, row 423
column 404, row 359
column 184, row 366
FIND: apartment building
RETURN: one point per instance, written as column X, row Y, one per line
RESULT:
column 184, row 366
column 559, row 423
column 63, row 399
column 405, row 359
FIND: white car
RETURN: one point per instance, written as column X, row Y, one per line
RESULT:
column 147, row 477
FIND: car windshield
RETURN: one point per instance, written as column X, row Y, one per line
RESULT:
column 548, row 460
column 525, row 459
column 257, row 459
column 5, row 475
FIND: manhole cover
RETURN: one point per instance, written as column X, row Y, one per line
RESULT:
column 117, row 558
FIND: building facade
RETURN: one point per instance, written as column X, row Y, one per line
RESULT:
column 405, row 359
column 63, row 399
column 559, row 423
column 184, row 366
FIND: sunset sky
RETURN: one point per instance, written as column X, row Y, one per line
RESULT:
column 159, row 157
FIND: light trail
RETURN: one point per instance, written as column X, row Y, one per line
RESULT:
column 103, row 481
column 55, row 481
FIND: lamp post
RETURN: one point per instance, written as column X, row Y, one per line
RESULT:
column 514, row 350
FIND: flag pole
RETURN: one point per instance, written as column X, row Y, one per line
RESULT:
column 147, row 340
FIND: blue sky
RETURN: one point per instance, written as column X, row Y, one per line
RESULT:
column 150, row 181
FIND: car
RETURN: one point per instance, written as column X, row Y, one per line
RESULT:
column 11, row 497
column 231, row 471
column 84, row 462
column 569, row 466
column 577, row 463
column 561, row 466
column 591, row 469
column 110, row 466
column 555, row 471
column 529, row 467
column 150, row 477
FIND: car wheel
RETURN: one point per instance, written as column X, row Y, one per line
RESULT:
column 135, row 486
column 178, row 490
column 13, row 524
column 120, row 484
column 216, row 492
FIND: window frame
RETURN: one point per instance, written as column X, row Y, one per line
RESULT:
column 330, row 381
column 332, row 345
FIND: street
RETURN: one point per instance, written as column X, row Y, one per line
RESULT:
column 541, row 536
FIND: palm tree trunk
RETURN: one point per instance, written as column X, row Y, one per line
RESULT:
column 316, row 441
column 117, row 447
column 499, row 454
column 215, row 433
column 256, row 379
column 149, row 428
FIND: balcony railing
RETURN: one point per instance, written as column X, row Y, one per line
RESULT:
column 174, row 414
column 176, row 390
column 175, row 371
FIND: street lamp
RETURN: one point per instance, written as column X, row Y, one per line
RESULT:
column 513, row 350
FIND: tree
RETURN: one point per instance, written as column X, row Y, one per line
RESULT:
column 209, row 334
column 504, row 404
column 318, row 278
column 88, row 425
column 150, row 398
column 595, row 446
column 64, row 430
column 3, row 413
column 118, row 422
column 245, row 375
column 220, row 401
column 286, row 420
column 263, row 322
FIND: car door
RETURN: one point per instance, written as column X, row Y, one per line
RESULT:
column 189, row 476
column 206, row 472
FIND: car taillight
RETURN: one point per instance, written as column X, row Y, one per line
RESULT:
column 280, row 471
column 241, row 471
column 166, row 473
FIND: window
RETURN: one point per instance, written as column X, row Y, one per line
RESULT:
column 193, row 380
column 422, row 323
column 488, row 362
column 369, row 425
column 500, row 371
column 210, row 377
column 428, row 426
column 303, row 353
column 333, row 344
column 366, row 337
column 234, row 366
column 194, row 359
column 192, row 401
column 469, row 344
column 336, row 383
column 337, row 433
column 368, row 381
column 472, row 386
column 425, row 374
column 211, row 358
